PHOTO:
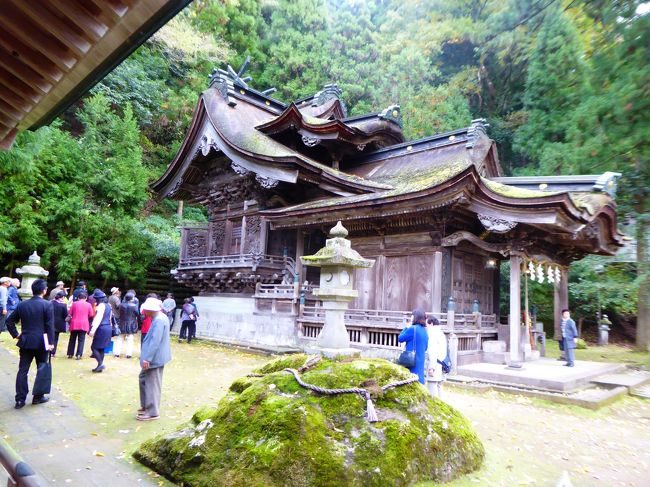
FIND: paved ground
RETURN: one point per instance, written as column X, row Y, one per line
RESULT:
column 60, row 443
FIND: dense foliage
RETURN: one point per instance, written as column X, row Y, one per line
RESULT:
column 565, row 86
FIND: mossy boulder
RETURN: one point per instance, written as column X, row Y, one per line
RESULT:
column 270, row 431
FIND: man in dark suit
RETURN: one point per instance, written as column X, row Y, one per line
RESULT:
column 35, row 316
column 569, row 337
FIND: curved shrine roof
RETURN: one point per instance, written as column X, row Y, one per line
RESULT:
column 255, row 133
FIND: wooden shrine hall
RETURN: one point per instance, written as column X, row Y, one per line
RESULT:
column 436, row 214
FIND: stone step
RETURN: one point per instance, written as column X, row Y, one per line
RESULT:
column 590, row 397
column 642, row 391
column 627, row 378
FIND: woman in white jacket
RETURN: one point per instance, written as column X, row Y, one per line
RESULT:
column 437, row 350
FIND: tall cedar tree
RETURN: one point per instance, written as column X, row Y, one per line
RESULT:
column 297, row 44
column 555, row 86
column 612, row 125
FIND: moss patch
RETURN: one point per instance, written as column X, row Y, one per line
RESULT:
column 590, row 202
column 270, row 431
column 514, row 192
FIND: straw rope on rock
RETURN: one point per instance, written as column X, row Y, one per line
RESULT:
column 370, row 409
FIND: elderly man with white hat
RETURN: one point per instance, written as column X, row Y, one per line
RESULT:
column 154, row 355
column 56, row 289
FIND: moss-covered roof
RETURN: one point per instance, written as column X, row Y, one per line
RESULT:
column 590, row 202
column 243, row 135
column 403, row 181
column 514, row 192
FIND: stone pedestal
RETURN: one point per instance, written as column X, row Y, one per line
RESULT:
column 29, row 273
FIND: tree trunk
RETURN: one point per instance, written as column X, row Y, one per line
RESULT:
column 643, row 312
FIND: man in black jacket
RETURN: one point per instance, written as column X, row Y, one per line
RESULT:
column 35, row 316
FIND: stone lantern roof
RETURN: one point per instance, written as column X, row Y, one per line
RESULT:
column 337, row 251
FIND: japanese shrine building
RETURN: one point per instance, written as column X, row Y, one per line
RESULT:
column 436, row 214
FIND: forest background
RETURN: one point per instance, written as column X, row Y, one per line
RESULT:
column 564, row 85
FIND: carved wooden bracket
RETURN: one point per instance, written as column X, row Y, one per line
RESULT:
column 496, row 225
column 457, row 237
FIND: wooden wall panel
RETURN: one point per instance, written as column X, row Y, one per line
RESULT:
column 420, row 285
column 364, row 283
column 396, row 282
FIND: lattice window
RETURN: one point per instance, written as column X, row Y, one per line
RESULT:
column 235, row 237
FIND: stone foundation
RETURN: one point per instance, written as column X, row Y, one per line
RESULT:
column 231, row 319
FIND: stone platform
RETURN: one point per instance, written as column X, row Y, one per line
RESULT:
column 543, row 374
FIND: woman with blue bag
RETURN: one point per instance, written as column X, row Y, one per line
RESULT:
column 417, row 342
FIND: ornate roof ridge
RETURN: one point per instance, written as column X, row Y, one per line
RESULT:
column 226, row 81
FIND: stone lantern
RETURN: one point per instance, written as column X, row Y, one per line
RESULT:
column 337, row 261
column 29, row 274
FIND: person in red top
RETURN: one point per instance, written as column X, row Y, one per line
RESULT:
column 146, row 320
column 80, row 315
column 146, row 324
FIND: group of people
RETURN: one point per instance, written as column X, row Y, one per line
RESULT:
column 100, row 317
column 426, row 338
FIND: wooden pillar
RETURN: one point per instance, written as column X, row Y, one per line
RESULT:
column 560, row 301
column 515, row 308
column 437, row 281
column 300, row 251
column 183, row 251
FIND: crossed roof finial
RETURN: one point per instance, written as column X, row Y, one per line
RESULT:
column 234, row 76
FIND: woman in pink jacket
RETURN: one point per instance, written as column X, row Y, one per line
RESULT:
column 80, row 315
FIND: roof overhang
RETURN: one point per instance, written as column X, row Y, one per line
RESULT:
column 52, row 54
column 555, row 214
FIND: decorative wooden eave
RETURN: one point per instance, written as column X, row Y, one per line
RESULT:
column 315, row 130
column 326, row 104
column 54, row 51
column 556, row 213
column 602, row 183
column 223, row 124
column 328, row 110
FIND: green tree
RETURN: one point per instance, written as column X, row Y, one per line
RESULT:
column 611, row 125
column 77, row 200
column 298, row 48
column 555, row 86
column 354, row 54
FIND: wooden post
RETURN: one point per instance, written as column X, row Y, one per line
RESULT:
column 179, row 210
column 560, row 301
column 437, row 281
column 515, row 308
column 300, row 251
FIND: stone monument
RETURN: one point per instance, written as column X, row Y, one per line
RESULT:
column 29, row 274
column 337, row 261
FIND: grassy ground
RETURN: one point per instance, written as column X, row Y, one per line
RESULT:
column 622, row 354
column 199, row 374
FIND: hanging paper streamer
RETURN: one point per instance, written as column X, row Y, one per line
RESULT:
column 531, row 270
column 540, row 273
column 558, row 274
column 550, row 275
